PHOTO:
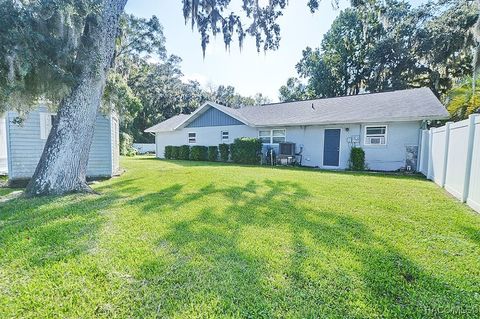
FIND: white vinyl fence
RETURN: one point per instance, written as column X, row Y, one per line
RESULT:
column 143, row 148
column 450, row 156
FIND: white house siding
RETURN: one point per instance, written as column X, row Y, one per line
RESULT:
column 392, row 156
column 206, row 136
column 25, row 146
column 311, row 140
column 388, row 157
column 3, row 146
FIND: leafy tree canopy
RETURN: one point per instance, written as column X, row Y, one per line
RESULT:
column 39, row 42
column 380, row 46
column 146, row 83
column 462, row 100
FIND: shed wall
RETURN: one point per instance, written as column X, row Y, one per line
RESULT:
column 26, row 146
column 3, row 146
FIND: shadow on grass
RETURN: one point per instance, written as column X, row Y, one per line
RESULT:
column 51, row 229
column 472, row 234
column 210, row 266
column 264, row 254
column 4, row 191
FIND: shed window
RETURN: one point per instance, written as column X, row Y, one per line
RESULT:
column 376, row 135
column 192, row 138
column 225, row 136
column 272, row 136
column 46, row 122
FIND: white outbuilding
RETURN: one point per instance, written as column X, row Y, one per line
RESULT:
column 23, row 139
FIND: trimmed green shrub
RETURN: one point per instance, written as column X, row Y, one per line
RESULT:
column 184, row 152
column 168, row 152
column 224, row 152
column 246, row 150
column 357, row 159
column 213, row 153
column 198, row 153
column 175, row 152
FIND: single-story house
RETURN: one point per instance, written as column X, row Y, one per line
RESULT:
column 26, row 139
column 386, row 125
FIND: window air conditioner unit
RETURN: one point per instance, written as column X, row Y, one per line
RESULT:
column 375, row 140
column 287, row 149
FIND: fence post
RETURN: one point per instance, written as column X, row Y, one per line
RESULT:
column 445, row 157
column 421, row 150
column 468, row 166
column 430, row 159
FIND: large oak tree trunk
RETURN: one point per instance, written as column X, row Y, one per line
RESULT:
column 63, row 165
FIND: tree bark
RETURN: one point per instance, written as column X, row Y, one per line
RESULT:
column 63, row 164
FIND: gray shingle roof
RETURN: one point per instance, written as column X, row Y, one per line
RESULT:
column 168, row 125
column 414, row 104
column 404, row 105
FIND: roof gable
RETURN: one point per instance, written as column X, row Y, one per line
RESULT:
column 213, row 117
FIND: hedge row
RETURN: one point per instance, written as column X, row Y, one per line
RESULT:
column 243, row 150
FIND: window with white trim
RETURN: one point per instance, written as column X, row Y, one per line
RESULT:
column 46, row 122
column 192, row 138
column 225, row 136
column 376, row 135
column 274, row 136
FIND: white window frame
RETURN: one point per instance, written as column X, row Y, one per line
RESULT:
column 45, row 124
column 189, row 139
column 272, row 136
column 366, row 136
column 225, row 140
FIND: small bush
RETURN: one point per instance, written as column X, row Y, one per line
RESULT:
column 168, row 152
column 132, row 152
column 224, row 152
column 198, row 153
column 246, row 150
column 126, row 145
column 175, row 152
column 184, row 152
column 357, row 159
column 212, row 153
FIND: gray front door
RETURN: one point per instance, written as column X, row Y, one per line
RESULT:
column 331, row 147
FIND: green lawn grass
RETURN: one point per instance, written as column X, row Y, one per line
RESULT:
column 184, row 240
